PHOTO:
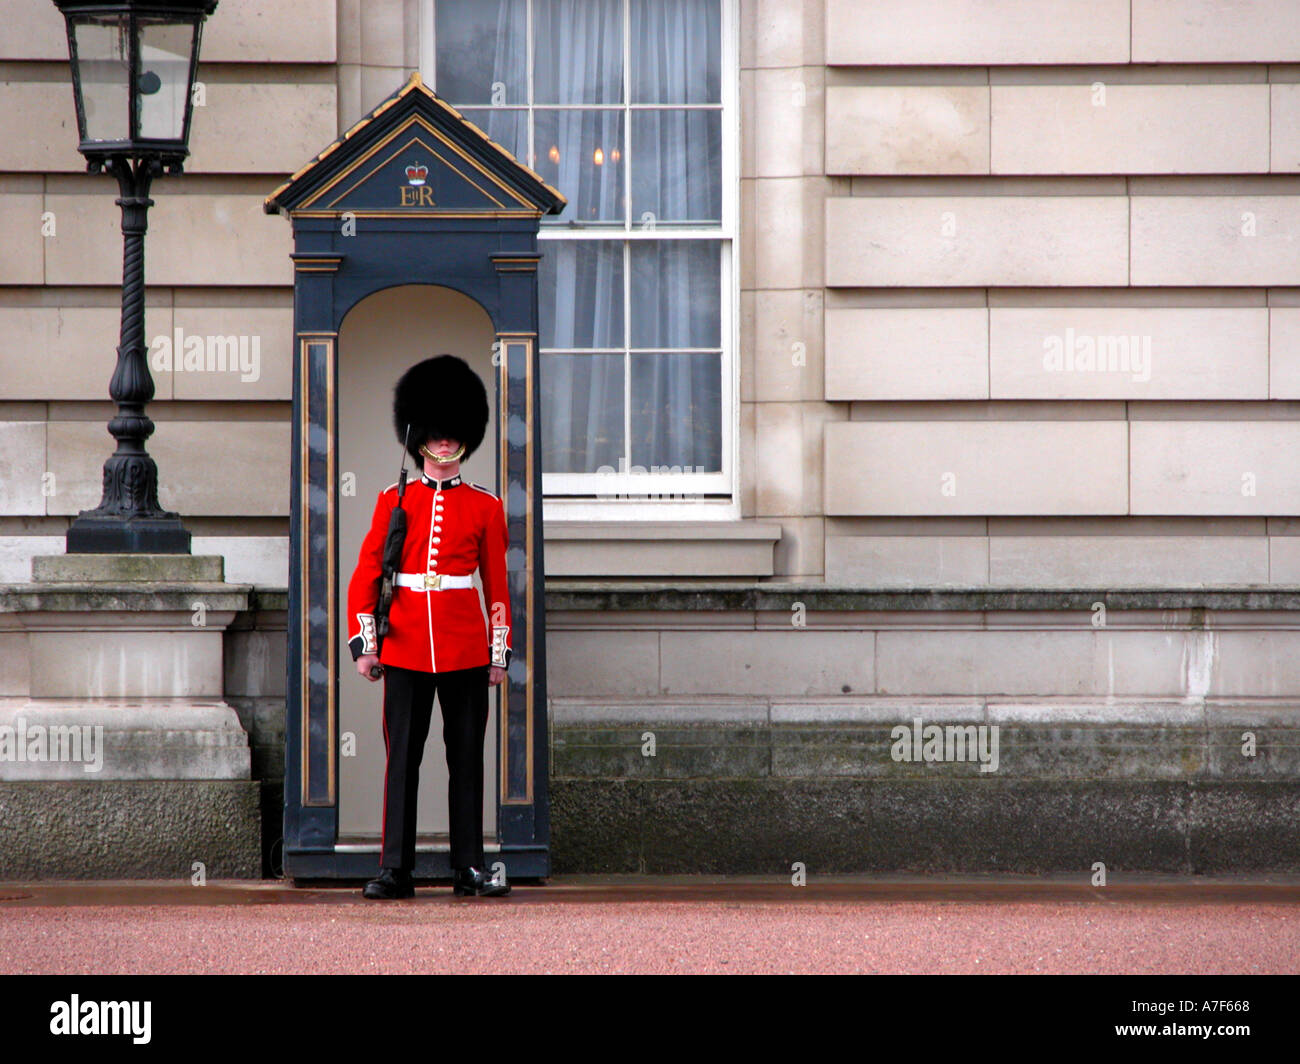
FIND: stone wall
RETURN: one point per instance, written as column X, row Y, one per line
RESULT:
column 742, row 729
column 922, row 209
column 949, row 210
column 739, row 731
column 119, row 756
column 255, row 649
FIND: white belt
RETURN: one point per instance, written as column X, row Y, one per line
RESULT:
column 431, row 581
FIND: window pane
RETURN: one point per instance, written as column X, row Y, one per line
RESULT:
column 582, row 412
column 102, row 50
column 580, row 293
column 503, row 125
column 581, row 154
column 577, row 51
column 676, row 51
column 677, row 166
column 676, row 293
column 677, row 412
column 164, row 78
column 481, row 51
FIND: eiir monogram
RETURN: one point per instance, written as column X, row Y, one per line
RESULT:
column 416, row 196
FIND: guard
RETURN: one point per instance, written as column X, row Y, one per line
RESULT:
column 437, row 639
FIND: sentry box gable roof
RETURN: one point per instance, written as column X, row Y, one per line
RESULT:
column 415, row 155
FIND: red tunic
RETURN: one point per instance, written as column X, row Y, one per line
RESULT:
column 452, row 528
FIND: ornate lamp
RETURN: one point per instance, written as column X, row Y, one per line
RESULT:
column 133, row 70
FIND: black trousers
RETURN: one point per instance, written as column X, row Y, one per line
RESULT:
column 408, row 707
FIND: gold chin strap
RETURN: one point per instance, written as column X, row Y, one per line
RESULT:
column 453, row 457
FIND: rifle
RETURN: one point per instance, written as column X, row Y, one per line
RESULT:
column 392, row 562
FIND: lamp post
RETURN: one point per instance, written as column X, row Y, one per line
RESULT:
column 133, row 70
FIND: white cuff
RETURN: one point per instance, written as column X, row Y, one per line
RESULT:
column 500, row 651
column 369, row 644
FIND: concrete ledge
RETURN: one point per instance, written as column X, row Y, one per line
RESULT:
column 661, row 548
column 714, row 531
column 128, row 829
column 269, row 600
column 100, row 739
column 569, row 595
column 127, row 568
column 137, row 598
column 562, row 595
column 761, row 827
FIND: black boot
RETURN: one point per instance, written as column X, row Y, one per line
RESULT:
column 478, row 883
column 391, row 883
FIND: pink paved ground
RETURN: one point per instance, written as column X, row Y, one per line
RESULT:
column 656, row 926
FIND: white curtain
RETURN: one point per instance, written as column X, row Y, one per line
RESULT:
column 481, row 44
column 670, row 399
column 676, row 409
column 581, row 305
column 676, row 401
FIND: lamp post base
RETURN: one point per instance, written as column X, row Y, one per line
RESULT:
column 89, row 534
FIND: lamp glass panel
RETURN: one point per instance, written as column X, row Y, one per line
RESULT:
column 104, row 68
column 165, row 50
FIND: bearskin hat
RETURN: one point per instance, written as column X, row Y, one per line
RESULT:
column 440, row 397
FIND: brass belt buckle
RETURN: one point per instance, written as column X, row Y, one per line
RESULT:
column 432, row 582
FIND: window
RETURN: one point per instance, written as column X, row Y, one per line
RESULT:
column 624, row 106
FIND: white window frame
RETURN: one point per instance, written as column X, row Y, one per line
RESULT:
column 657, row 496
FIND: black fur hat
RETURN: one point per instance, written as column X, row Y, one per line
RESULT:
column 440, row 397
